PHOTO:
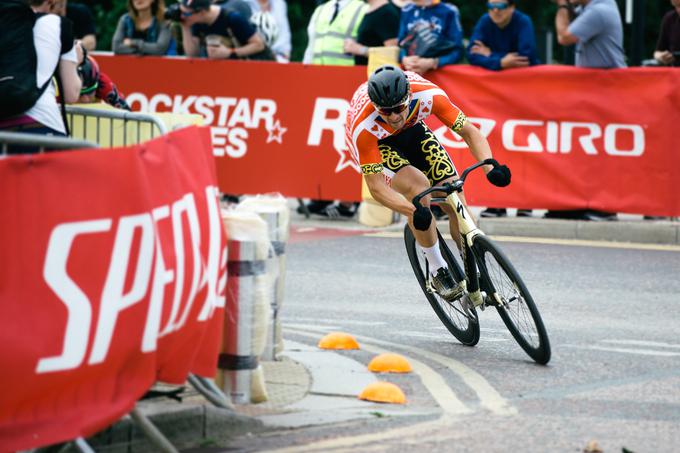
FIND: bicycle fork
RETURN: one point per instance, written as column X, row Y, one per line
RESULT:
column 474, row 293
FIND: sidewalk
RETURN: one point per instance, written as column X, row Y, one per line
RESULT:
column 628, row 227
column 308, row 386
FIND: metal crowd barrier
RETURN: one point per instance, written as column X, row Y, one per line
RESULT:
column 43, row 142
column 110, row 128
column 94, row 128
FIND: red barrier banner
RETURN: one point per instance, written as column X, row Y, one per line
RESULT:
column 574, row 138
column 114, row 268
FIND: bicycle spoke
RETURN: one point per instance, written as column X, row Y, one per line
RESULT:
column 461, row 323
column 512, row 300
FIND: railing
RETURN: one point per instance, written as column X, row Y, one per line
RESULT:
column 110, row 127
column 42, row 142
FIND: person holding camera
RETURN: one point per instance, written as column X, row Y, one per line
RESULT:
column 668, row 47
column 430, row 35
column 225, row 33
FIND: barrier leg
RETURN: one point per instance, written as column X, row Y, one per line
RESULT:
column 83, row 446
column 153, row 433
column 210, row 391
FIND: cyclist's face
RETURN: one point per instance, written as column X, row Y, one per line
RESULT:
column 396, row 115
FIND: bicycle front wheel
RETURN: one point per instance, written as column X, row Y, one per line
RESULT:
column 452, row 314
column 512, row 299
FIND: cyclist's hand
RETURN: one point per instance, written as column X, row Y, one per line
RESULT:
column 422, row 218
column 499, row 176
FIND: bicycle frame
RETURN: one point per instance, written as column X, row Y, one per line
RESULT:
column 466, row 227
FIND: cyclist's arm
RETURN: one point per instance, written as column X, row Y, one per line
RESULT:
column 478, row 145
column 451, row 115
column 384, row 195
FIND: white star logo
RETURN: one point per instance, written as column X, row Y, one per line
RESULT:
column 276, row 132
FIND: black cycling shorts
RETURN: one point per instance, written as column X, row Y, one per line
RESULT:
column 419, row 147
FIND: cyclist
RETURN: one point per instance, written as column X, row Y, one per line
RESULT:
column 400, row 156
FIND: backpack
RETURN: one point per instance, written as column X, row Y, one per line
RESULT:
column 18, row 60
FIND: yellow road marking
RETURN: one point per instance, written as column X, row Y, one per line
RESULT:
column 553, row 241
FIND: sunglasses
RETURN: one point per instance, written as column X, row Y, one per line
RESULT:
column 387, row 111
column 499, row 6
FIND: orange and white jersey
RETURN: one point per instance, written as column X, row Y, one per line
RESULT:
column 364, row 126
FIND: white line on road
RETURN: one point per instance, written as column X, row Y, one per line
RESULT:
column 551, row 241
column 443, row 337
column 488, row 396
column 406, row 432
column 625, row 350
column 657, row 344
column 356, row 322
column 433, row 382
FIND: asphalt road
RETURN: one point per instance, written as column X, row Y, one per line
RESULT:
column 612, row 314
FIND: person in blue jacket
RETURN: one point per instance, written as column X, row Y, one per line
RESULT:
column 503, row 38
column 437, row 23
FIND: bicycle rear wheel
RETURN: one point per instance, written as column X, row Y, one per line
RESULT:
column 512, row 299
column 461, row 325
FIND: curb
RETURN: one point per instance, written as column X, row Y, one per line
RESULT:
column 186, row 425
column 641, row 232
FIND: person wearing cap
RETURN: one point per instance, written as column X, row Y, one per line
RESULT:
column 225, row 32
column 400, row 157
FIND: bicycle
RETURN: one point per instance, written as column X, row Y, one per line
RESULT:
column 497, row 285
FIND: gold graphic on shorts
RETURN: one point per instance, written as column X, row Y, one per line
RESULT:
column 439, row 163
column 371, row 169
column 391, row 159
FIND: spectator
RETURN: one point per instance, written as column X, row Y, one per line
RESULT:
column 226, row 33
column 668, row 47
column 331, row 23
column 56, row 53
column 281, row 45
column 430, row 35
column 83, row 21
column 240, row 6
column 597, row 33
column 142, row 30
column 503, row 39
column 97, row 86
column 379, row 27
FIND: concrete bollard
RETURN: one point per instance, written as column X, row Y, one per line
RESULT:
column 273, row 209
column 247, row 308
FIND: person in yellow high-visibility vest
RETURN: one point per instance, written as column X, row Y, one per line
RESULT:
column 332, row 23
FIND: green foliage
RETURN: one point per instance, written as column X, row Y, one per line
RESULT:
column 542, row 13
column 107, row 14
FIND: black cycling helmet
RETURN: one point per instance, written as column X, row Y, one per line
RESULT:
column 388, row 86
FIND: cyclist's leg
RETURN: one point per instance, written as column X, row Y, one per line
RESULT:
column 453, row 219
column 435, row 162
column 410, row 181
